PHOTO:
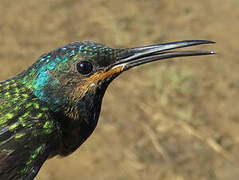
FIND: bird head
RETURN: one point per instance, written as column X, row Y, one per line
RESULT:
column 73, row 78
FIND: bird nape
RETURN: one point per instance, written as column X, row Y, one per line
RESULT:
column 53, row 107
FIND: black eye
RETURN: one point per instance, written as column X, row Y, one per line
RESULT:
column 84, row 67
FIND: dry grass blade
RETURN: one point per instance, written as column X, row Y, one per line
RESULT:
column 153, row 137
column 205, row 138
column 190, row 130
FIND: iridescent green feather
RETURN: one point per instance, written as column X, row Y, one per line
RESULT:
column 27, row 131
column 39, row 115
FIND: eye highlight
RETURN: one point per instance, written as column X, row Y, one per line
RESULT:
column 84, row 67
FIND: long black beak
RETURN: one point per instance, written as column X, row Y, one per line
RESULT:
column 140, row 55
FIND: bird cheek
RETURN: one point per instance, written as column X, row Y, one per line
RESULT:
column 92, row 85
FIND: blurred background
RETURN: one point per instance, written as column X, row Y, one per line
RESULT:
column 170, row 120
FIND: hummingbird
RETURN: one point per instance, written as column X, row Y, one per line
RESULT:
column 52, row 107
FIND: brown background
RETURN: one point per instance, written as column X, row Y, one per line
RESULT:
column 175, row 119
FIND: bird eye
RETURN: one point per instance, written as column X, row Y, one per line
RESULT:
column 84, row 67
